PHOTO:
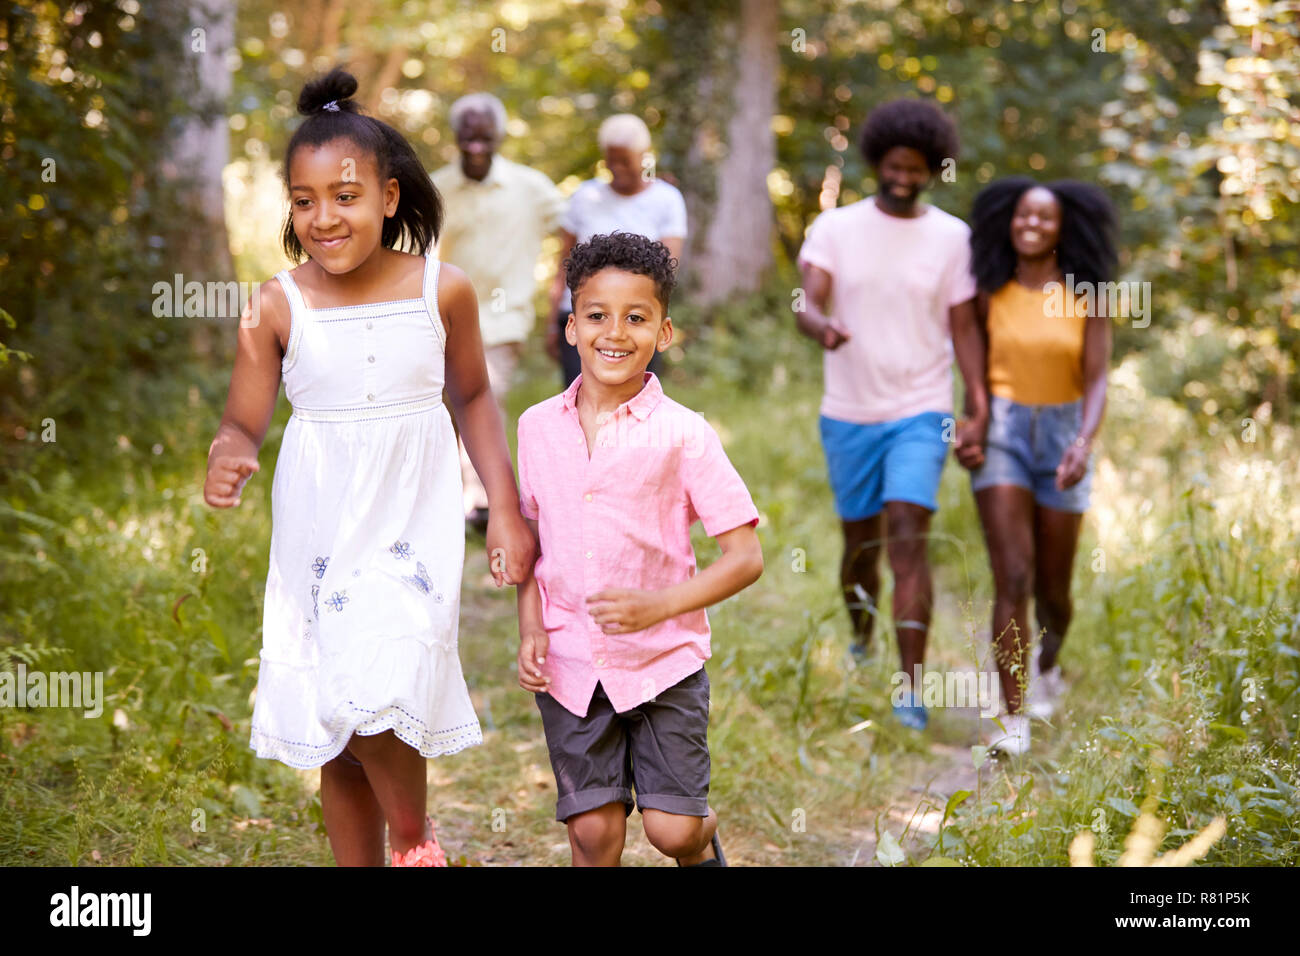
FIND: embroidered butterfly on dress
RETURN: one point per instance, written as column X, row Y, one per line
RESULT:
column 402, row 550
column 420, row 579
column 319, row 566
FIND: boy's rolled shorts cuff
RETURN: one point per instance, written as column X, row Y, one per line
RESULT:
column 657, row 751
column 585, row 801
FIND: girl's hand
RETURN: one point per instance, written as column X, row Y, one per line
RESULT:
column 1073, row 466
column 532, row 655
column 622, row 610
column 226, row 477
column 511, row 547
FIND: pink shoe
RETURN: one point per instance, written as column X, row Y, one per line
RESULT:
column 427, row 853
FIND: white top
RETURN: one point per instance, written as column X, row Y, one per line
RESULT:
column 359, row 629
column 656, row 212
column 892, row 283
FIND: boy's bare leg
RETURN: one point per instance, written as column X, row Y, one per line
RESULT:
column 597, row 836
column 682, row 837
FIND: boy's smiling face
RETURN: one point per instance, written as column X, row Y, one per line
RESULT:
column 617, row 325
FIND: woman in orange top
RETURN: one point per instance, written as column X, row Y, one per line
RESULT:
column 1038, row 253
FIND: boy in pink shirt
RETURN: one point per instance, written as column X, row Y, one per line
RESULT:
column 613, row 631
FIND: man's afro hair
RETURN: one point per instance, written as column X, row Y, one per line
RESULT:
column 917, row 124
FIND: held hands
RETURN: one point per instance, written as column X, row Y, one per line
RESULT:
column 1073, row 466
column 226, row 477
column 511, row 547
column 532, row 655
column 969, row 449
column 622, row 610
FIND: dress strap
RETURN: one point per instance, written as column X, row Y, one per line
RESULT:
column 297, row 315
column 432, row 266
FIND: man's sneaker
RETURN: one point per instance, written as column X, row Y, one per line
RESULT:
column 910, row 713
column 1012, row 738
column 1044, row 693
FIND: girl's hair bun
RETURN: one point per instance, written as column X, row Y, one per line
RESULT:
column 336, row 86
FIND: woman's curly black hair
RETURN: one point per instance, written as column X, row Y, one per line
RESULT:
column 418, row 219
column 1086, row 248
column 622, row 250
column 917, row 124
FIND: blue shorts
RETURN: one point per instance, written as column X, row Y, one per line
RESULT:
column 1025, row 444
column 870, row 464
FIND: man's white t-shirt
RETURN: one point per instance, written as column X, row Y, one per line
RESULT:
column 892, row 283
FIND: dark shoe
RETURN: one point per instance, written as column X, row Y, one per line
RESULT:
column 718, row 858
column 478, row 520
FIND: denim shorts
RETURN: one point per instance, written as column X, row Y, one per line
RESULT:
column 660, row 747
column 870, row 464
column 1025, row 443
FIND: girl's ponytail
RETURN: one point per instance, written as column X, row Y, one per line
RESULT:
column 332, row 114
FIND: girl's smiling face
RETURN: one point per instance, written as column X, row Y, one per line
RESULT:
column 339, row 204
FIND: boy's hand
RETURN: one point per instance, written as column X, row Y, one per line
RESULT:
column 511, row 547
column 532, row 655
column 622, row 610
column 226, row 477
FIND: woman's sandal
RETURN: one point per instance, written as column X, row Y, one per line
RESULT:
column 427, row 853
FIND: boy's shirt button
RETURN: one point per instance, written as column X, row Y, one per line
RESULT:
column 588, row 554
column 587, row 496
column 600, row 662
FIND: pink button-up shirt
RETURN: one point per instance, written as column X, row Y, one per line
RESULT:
column 622, row 519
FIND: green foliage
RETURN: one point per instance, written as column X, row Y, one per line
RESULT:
column 86, row 96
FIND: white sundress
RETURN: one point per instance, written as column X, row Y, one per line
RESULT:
column 359, row 630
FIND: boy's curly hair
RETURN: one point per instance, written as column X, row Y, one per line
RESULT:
column 917, row 124
column 622, row 250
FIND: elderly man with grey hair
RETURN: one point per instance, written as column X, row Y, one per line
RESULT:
column 632, row 201
column 496, row 214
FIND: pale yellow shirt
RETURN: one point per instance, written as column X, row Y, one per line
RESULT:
column 493, row 230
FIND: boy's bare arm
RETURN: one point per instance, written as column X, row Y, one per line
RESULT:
column 620, row 610
column 533, row 639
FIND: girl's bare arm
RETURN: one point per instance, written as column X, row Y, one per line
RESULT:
column 250, row 402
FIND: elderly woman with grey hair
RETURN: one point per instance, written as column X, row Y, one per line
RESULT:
column 633, row 201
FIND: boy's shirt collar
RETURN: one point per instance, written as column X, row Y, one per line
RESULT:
column 641, row 404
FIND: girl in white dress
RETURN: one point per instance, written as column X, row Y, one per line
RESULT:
column 360, row 673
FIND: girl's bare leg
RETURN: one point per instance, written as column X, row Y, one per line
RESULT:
column 396, row 772
column 353, row 818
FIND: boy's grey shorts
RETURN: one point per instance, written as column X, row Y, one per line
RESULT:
column 661, row 747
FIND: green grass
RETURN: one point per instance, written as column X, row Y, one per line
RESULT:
column 1183, row 652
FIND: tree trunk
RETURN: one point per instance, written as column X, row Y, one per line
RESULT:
column 736, row 250
column 198, row 157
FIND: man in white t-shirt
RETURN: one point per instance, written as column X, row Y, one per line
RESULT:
column 889, row 296
column 633, row 201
